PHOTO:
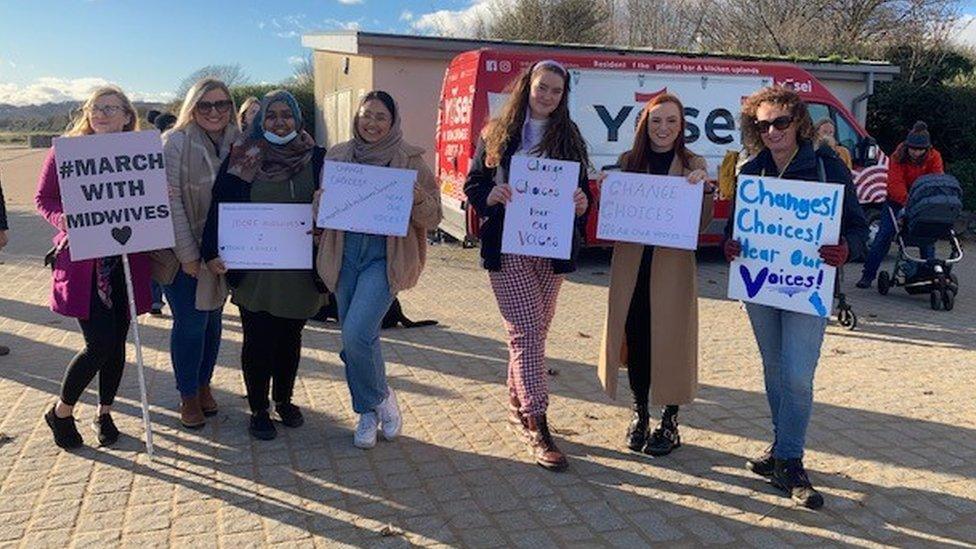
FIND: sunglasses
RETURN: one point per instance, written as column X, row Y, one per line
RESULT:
column 107, row 110
column 780, row 123
column 222, row 106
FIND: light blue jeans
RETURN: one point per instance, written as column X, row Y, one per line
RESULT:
column 363, row 297
column 789, row 343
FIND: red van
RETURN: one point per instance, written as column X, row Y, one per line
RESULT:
column 606, row 97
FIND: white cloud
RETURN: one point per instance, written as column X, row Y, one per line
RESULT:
column 965, row 33
column 457, row 23
column 407, row 15
column 293, row 26
column 350, row 2
column 49, row 89
column 296, row 60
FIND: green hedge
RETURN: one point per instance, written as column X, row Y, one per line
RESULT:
column 304, row 94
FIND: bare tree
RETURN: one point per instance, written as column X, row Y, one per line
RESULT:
column 559, row 21
column 303, row 74
column 232, row 75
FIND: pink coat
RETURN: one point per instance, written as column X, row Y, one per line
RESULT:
column 71, row 287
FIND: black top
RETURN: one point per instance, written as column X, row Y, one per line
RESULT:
column 660, row 163
column 480, row 181
column 230, row 188
column 853, row 225
column 3, row 212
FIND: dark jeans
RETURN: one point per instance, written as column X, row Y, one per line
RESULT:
column 105, row 332
column 195, row 340
column 272, row 350
column 882, row 242
column 638, row 332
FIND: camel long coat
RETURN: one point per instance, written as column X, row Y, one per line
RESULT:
column 674, row 313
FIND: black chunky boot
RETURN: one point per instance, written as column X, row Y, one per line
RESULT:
column 790, row 477
column 637, row 430
column 665, row 437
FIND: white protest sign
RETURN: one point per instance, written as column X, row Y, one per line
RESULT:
column 539, row 219
column 265, row 236
column 366, row 199
column 659, row 210
column 781, row 225
column 114, row 194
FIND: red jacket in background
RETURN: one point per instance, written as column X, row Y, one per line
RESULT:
column 902, row 175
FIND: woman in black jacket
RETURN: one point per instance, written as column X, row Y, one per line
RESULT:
column 534, row 122
column 776, row 120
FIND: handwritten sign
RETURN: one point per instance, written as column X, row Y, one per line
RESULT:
column 781, row 225
column 366, row 199
column 539, row 218
column 265, row 236
column 650, row 209
column 114, row 194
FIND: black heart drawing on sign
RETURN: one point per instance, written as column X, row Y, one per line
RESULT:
column 122, row 235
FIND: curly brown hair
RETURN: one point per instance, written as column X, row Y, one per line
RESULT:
column 562, row 140
column 779, row 96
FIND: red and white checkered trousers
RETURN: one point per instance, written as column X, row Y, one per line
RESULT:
column 526, row 290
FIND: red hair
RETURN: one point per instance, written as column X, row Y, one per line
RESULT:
column 637, row 159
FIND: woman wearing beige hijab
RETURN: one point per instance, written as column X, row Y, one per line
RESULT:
column 366, row 271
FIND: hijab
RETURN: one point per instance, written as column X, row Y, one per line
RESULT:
column 254, row 157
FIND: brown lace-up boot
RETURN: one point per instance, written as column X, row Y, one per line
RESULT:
column 543, row 448
column 207, row 402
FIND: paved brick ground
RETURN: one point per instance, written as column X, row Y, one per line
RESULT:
column 892, row 443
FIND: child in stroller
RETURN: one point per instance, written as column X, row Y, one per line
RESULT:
column 934, row 205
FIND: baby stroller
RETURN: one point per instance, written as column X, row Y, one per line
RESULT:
column 934, row 205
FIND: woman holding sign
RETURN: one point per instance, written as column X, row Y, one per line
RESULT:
column 93, row 290
column 652, row 313
column 194, row 150
column 776, row 121
column 534, row 122
column 277, row 162
column 365, row 271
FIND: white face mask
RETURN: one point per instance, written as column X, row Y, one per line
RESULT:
column 275, row 139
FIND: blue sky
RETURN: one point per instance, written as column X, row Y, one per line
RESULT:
column 57, row 50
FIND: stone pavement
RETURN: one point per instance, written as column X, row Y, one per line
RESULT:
column 892, row 443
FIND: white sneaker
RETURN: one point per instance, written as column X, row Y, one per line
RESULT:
column 389, row 415
column 365, row 436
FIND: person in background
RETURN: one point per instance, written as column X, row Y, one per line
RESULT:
column 249, row 109
column 194, row 150
column 652, row 305
column 165, row 121
column 366, row 271
column 535, row 121
column 826, row 136
column 157, row 288
column 92, row 290
column 776, row 121
column 4, row 350
column 276, row 162
column 913, row 158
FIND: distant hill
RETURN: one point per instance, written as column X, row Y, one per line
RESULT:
column 49, row 117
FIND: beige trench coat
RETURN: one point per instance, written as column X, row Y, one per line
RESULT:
column 674, row 313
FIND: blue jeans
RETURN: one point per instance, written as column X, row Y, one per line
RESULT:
column 157, row 295
column 195, row 339
column 789, row 343
column 882, row 243
column 363, row 297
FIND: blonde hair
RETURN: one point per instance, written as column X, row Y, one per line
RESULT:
column 195, row 94
column 82, row 124
column 251, row 100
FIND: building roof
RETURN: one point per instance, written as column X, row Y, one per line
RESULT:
column 354, row 42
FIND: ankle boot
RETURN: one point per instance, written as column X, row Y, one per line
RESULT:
column 637, row 430
column 191, row 414
column 207, row 402
column 665, row 436
column 516, row 420
column 542, row 446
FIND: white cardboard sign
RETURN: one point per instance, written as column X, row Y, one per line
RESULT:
column 539, row 218
column 658, row 210
column 781, row 225
column 114, row 194
column 366, row 199
column 264, row 236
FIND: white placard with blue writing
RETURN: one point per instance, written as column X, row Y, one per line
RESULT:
column 659, row 210
column 265, row 236
column 366, row 199
column 114, row 194
column 781, row 225
column 539, row 219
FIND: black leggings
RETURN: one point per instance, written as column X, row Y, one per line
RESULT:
column 272, row 350
column 638, row 332
column 105, row 332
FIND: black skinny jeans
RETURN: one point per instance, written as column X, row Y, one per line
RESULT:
column 105, row 332
column 272, row 350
